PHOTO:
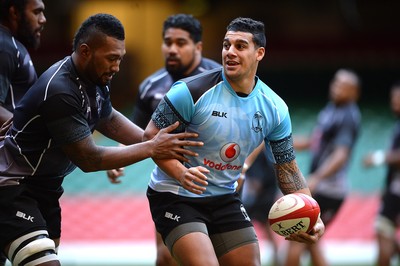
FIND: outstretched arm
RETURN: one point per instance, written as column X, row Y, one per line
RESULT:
column 192, row 179
column 90, row 157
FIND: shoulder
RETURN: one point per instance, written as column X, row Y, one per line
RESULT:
column 61, row 76
column 160, row 76
column 204, row 80
column 198, row 84
column 271, row 96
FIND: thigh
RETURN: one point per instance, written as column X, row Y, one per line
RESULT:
column 19, row 214
column 49, row 206
column 195, row 249
column 170, row 211
column 248, row 254
column 226, row 242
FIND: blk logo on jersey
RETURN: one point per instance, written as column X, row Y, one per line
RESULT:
column 219, row 114
column 229, row 152
column 257, row 122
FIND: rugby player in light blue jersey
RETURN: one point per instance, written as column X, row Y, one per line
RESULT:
column 194, row 204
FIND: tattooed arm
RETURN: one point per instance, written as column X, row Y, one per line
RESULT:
column 290, row 180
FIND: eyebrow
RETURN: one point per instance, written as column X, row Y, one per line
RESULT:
column 238, row 40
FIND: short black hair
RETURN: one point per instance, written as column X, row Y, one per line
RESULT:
column 185, row 22
column 6, row 4
column 249, row 25
column 100, row 23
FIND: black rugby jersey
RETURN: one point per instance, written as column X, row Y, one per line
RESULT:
column 17, row 72
column 56, row 105
column 155, row 86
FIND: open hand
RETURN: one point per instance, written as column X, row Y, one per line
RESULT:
column 171, row 146
column 194, row 179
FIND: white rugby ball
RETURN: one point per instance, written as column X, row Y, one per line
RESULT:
column 293, row 213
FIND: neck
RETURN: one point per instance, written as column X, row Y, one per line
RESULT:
column 243, row 86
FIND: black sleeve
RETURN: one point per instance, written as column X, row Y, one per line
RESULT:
column 64, row 119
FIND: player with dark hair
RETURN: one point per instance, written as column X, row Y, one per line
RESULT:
column 331, row 144
column 182, row 51
column 51, row 135
column 21, row 23
column 194, row 204
column 388, row 219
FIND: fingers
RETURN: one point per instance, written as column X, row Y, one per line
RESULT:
column 171, row 127
column 194, row 180
column 190, row 143
column 114, row 174
column 309, row 238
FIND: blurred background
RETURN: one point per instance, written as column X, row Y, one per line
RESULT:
column 307, row 41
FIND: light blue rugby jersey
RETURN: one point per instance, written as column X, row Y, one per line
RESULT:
column 230, row 126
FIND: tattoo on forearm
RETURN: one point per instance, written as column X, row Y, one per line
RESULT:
column 290, row 178
column 289, row 175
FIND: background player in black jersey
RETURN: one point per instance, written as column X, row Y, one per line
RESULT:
column 388, row 218
column 21, row 24
column 182, row 51
column 51, row 135
column 331, row 144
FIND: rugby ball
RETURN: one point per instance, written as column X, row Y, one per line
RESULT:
column 293, row 213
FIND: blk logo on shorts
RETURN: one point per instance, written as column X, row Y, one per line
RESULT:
column 172, row 216
column 24, row 216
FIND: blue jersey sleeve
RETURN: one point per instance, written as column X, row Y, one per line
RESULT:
column 177, row 105
column 282, row 130
column 181, row 98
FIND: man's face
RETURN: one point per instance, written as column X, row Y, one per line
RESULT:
column 31, row 23
column 104, row 60
column 179, row 51
column 343, row 89
column 240, row 56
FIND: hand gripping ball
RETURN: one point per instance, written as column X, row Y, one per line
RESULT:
column 293, row 213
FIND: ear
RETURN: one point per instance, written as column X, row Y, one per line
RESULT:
column 199, row 47
column 84, row 50
column 260, row 53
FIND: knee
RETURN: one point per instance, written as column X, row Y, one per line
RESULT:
column 33, row 249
